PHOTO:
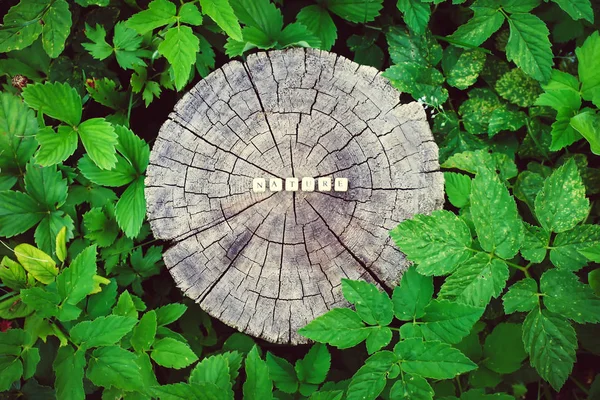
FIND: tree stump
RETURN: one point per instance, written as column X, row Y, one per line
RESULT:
column 268, row 263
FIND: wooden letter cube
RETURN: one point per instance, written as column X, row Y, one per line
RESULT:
column 341, row 185
column 275, row 185
column 308, row 184
column 291, row 184
column 324, row 184
column 259, row 185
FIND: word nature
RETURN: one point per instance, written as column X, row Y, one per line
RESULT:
column 260, row 185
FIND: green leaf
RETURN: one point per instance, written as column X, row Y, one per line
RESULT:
column 99, row 139
column 190, row 14
column 416, row 14
column 505, row 119
column 588, row 125
column 56, row 27
column 21, row 27
column 101, row 303
column 438, row 243
column 529, row 47
column 57, row 100
column 561, row 204
column 319, row 22
column 131, row 208
column 462, row 67
column 172, row 353
column 76, row 282
column 518, row 88
column 563, row 133
column 535, row 243
column 577, row 9
column 46, row 186
column 359, row 11
column 99, row 48
column 518, row 6
column 68, row 366
column 495, row 215
column 125, row 306
column 561, row 92
column 213, row 369
column 127, row 47
column 478, row 29
column 313, row 368
column 522, row 296
column 412, row 387
column 43, row 301
column 12, row 274
column 369, row 381
column 589, row 75
column 550, row 342
column 340, row 327
column 159, row 13
column 412, row 295
column 18, row 213
column 122, row 174
column 422, row 82
column 408, row 47
column 106, row 92
column 373, row 306
column 282, row 373
column 447, row 321
column 565, row 295
column 594, row 280
column 31, row 358
column 100, row 229
column 496, row 357
column 102, row 331
column 565, row 250
column 113, row 366
column 183, row 391
column 39, row 264
column 221, row 12
column 55, row 147
column 18, row 126
column 12, row 369
column 169, row 313
column 134, row 149
column 144, row 332
column 179, row 48
column 258, row 385
column 378, row 338
column 432, row 359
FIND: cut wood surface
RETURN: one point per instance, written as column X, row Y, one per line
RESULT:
column 268, row 263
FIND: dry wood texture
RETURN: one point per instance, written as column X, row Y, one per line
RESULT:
column 268, row 263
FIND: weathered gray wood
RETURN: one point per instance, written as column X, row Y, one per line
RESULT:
column 268, row 263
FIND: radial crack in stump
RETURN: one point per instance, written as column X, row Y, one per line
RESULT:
column 268, row 263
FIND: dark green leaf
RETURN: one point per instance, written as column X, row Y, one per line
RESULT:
column 172, row 353
column 258, row 385
column 412, row 295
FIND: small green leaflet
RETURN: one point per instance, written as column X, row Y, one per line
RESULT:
column 561, row 92
column 76, row 282
column 102, row 331
column 144, row 332
column 57, row 100
column 282, row 373
column 412, row 295
column 478, row 29
column 529, row 46
column 213, row 369
column 587, row 124
column 56, row 27
column 577, row 9
column 69, row 365
column 179, row 48
column 369, row 381
column 221, row 12
column 319, row 22
column 565, row 295
column 359, row 11
column 159, row 13
column 114, row 366
column 172, row 353
column 447, row 321
column 462, row 67
column 522, row 296
column 535, row 243
column 589, row 74
column 378, row 338
column 258, row 385
column 518, row 88
column 126, row 45
column 412, row 387
column 416, row 14
column 566, row 247
column 504, row 336
column 340, row 327
column 373, row 306
column 39, row 264
column 313, row 368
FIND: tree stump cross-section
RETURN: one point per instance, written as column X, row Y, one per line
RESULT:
column 268, row 263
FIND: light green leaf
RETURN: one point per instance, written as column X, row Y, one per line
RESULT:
column 589, row 74
column 561, row 204
column 213, row 369
column 340, row 327
column 125, row 306
column 18, row 213
column 535, row 243
column 412, row 387
column 412, row 295
column 462, row 67
column 565, row 295
column 495, row 215
column 12, row 369
column 99, row 229
column 359, row 11
column 144, row 332
column 438, row 243
column 76, row 282
column 588, row 125
column 159, row 13
column 505, row 336
column 55, row 147
column 529, row 47
column 39, row 264
column 56, row 28
column 127, row 47
column 179, row 48
column 102, row 331
column 12, row 274
column 447, row 321
column 258, row 385
column 565, row 250
column 282, row 373
column 184, row 391
column 99, row 139
column 69, row 365
column 373, row 306
column 221, row 12
column 169, row 313
column 190, row 14
column 550, row 342
column 99, row 48
column 416, row 14
column 378, row 338
column 122, row 174
column 563, row 133
column 478, row 29
column 46, row 186
column 432, row 359
column 57, row 100
column 369, row 381
column 313, row 368
column 172, row 353
column 319, row 22
column 131, row 208
column 114, row 367
column 522, row 296
column 561, row 92
column 296, row 34
column 577, row 9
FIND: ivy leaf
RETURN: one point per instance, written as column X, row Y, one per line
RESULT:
column 495, row 215
column 340, row 327
column 565, row 250
column 504, row 336
column 56, row 147
column 113, row 366
column 258, row 385
column 373, row 306
column 76, row 282
column 522, row 296
column 432, row 359
column 369, row 381
column 56, row 27
column 221, row 12
column 319, row 22
column 179, row 48
column 282, row 373
column 359, row 11
column 412, row 295
column 68, row 366
column 412, row 387
column 99, row 139
column 550, row 342
column 476, row 281
column 172, row 353
column 587, row 55
column 565, row 295
column 159, row 13
column 577, row 9
column 39, row 264
column 57, row 100
column 529, row 46
column 416, row 14
column 588, row 125
column 438, row 243
column 561, row 204
column 447, row 321
column 102, row 331
column 486, row 20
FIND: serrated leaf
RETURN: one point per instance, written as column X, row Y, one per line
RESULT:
column 131, row 208
column 69, row 365
column 99, row 48
column 378, row 338
column 319, row 22
column 577, row 9
column 99, row 139
column 76, row 282
column 313, row 368
column 462, row 67
column 563, row 133
column 529, row 46
column 447, row 321
column 127, row 47
column 518, row 88
column 477, row 110
column 561, row 204
column 408, row 47
column 125, row 306
column 102, row 331
column 565, row 295
column 478, row 29
column 589, row 74
column 522, row 296
column 561, row 92
column 44, row 302
column 566, row 247
column 213, row 369
column 221, row 12
column 179, row 48
column 12, row 274
column 412, row 295
column 169, row 313
column 18, row 213
column 535, row 243
column 497, row 358
column 57, row 100
column 340, row 327
column 369, row 381
column 106, row 92
column 159, row 13
column 113, row 366
column 122, row 173
column 46, row 186
column 438, row 243
column 506, row 119
column 373, row 306
column 412, row 387
column 550, row 342
column 416, row 14
column 18, row 32
column 422, row 82
column 296, row 34
column 144, row 332
column 39, row 264
column 172, row 353
column 258, row 385
column 56, row 147
column 359, row 11
column 587, row 124
column 99, row 229
column 282, row 373
column 56, row 27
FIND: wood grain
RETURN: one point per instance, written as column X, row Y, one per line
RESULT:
column 268, row 263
